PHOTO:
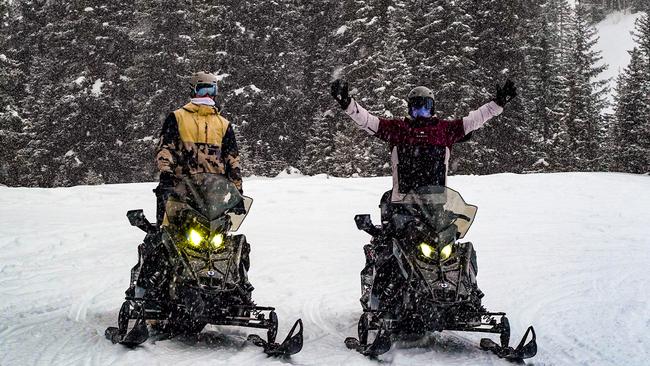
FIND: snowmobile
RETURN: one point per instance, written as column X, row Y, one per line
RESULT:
column 192, row 271
column 419, row 278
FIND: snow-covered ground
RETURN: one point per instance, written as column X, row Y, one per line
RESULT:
column 567, row 253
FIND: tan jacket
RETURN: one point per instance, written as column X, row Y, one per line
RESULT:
column 197, row 139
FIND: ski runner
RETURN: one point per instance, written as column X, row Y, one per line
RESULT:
column 421, row 142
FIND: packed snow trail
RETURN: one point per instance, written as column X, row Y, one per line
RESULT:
column 567, row 253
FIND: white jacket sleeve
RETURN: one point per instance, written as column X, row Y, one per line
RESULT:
column 362, row 117
column 476, row 119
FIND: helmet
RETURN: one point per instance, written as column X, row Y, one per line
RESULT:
column 203, row 84
column 421, row 102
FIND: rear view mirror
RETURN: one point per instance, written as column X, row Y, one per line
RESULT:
column 137, row 219
column 364, row 222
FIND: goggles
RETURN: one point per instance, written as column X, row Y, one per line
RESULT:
column 421, row 102
column 204, row 90
column 423, row 112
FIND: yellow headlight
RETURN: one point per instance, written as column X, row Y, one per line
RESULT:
column 445, row 252
column 217, row 240
column 427, row 250
column 194, row 237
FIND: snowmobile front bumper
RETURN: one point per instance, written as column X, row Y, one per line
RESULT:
column 385, row 328
column 132, row 325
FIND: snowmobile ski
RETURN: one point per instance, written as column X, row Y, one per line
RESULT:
column 522, row 351
column 380, row 345
column 135, row 336
column 291, row 345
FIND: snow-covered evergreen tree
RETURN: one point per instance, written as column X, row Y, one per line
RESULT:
column 632, row 129
column 578, row 144
column 85, row 86
column 317, row 155
column 12, row 89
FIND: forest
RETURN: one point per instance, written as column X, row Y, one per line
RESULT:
column 85, row 85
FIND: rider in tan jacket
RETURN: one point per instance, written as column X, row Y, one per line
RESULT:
column 196, row 138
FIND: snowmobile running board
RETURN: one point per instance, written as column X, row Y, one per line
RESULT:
column 139, row 333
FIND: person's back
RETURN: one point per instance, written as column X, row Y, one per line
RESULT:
column 196, row 138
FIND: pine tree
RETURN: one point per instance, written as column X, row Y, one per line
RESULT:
column 641, row 5
column 641, row 36
column 541, row 84
column 12, row 90
column 578, row 146
column 319, row 39
column 499, row 28
column 350, row 157
column 317, row 155
column 632, row 130
column 158, row 77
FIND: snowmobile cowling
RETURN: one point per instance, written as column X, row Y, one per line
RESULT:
column 419, row 278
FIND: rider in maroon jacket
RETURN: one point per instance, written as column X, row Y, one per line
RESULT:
column 421, row 142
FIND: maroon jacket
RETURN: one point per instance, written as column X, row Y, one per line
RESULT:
column 420, row 149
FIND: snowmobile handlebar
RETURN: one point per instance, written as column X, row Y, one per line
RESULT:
column 364, row 222
column 137, row 219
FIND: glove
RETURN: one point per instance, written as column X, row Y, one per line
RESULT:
column 239, row 209
column 167, row 179
column 340, row 93
column 505, row 93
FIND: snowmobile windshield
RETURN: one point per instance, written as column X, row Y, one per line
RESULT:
column 212, row 196
column 440, row 206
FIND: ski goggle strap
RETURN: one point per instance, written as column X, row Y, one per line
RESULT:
column 203, row 90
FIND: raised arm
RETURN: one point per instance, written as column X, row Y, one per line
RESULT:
column 364, row 119
column 476, row 119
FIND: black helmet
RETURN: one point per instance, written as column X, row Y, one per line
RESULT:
column 421, row 102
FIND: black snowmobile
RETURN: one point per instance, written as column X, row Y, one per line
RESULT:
column 192, row 271
column 418, row 278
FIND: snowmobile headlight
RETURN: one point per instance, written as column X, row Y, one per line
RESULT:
column 194, row 237
column 217, row 240
column 427, row 250
column 445, row 252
